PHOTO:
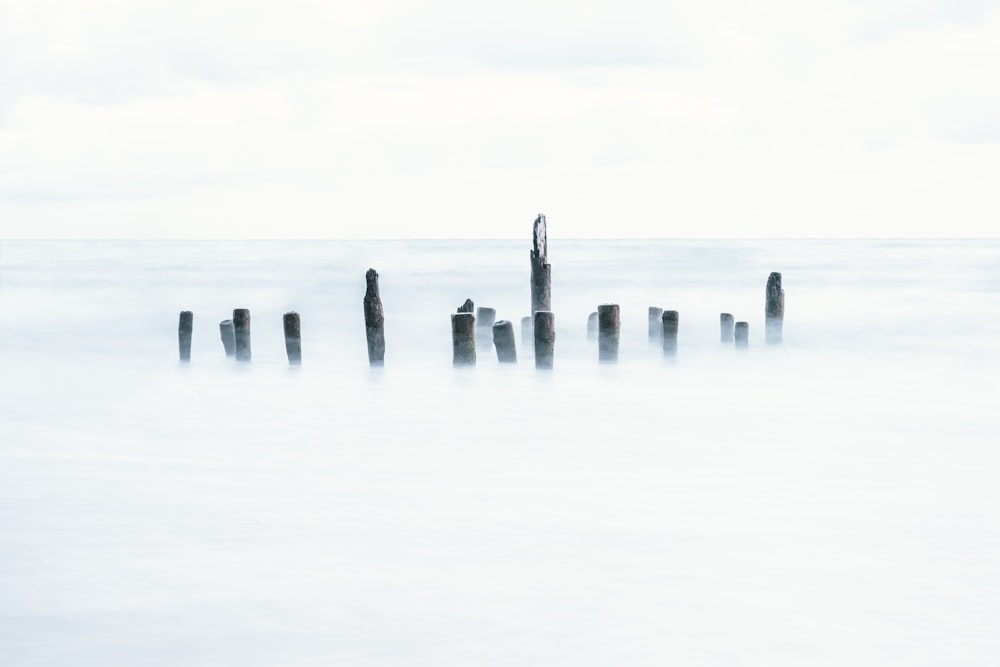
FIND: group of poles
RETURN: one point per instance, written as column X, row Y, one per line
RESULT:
column 470, row 325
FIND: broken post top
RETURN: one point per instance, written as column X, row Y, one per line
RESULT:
column 371, row 278
column 467, row 307
column 774, row 283
column 540, row 242
column 541, row 271
column 372, row 302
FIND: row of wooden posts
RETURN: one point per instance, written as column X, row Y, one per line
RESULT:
column 470, row 323
column 477, row 327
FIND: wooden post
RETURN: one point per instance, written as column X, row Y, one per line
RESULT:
column 374, row 320
column 503, row 340
column 774, row 309
column 541, row 270
column 527, row 333
column 293, row 338
column 467, row 307
column 655, row 324
column 545, row 338
column 592, row 326
column 608, row 333
column 485, row 317
column 463, row 339
column 241, row 330
column 184, row 328
column 726, row 323
column 228, row 335
column 741, row 334
column 670, row 323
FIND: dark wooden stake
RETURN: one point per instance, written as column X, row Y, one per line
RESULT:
column 726, row 322
column 374, row 320
column 467, row 307
column 463, row 339
column 545, row 338
column 608, row 333
column 184, row 328
column 541, row 270
column 741, row 334
column 503, row 340
column 655, row 324
column 228, row 335
column 241, row 330
column 774, row 309
column 592, row 326
column 293, row 338
column 670, row 321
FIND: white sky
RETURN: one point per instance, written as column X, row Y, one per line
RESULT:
column 449, row 118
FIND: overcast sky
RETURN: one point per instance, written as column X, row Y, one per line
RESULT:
column 451, row 118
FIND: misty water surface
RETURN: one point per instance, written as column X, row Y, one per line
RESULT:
column 830, row 501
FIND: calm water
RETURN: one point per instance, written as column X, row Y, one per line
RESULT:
column 830, row 501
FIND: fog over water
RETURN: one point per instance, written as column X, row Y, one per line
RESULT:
column 830, row 501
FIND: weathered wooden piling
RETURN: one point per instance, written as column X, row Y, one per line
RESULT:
column 467, row 307
column 293, row 337
column 670, row 321
column 741, row 334
column 241, row 330
column 592, row 326
column 655, row 324
column 527, row 333
column 541, row 270
column 185, row 326
column 726, row 322
column 463, row 339
column 228, row 335
column 545, row 338
column 608, row 332
column 503, row 341
column 374, row 320
column 774, row 309
column 485, row 317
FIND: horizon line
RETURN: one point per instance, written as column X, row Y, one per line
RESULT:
column 500, row 238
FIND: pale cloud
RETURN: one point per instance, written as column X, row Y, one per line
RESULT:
column 393, row 119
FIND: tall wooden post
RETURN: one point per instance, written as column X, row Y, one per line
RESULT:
column 726, row 323
column 185, row 325
column 503, row 341
column 774, row 309
column 241, row 329
column 463, row 339
column 374, row 320
column 541, row 270
column 608, row 333
column 293, row 338
column 467, row 307
column 545, row 338
column 655, row 324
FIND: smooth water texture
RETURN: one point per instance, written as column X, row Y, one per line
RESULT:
column 829, row 501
